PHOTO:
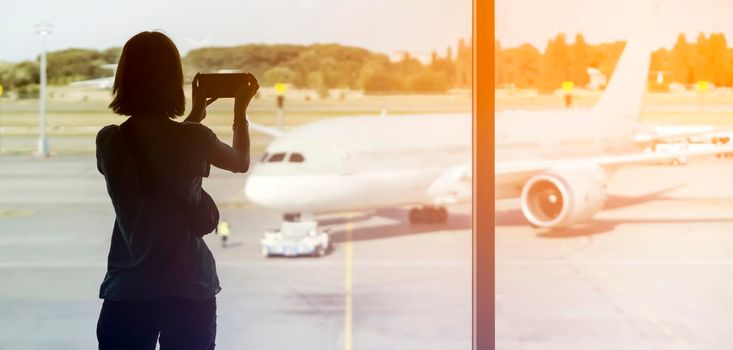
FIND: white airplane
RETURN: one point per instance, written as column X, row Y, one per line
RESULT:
column 557, row 162
column 366, row 162
column 99, row 83
column 105, row 83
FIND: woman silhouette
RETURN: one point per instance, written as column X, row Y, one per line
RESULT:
column 161, row 278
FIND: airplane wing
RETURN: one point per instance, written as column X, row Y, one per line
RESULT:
column 274, row 132
column 518, row 172
column 453, row 186
column 703, row 132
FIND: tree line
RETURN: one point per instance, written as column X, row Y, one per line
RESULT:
column 318, row 66
column 708, row 58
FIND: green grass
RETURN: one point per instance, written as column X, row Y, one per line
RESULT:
column 659, row 108
column 68, row 119
column 80, row 119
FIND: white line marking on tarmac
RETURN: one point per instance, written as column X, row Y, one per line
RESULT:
column 660, row 262
column 10, row 213
column 348, row 270
column 618, row 289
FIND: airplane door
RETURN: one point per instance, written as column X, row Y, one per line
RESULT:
column 347, row 160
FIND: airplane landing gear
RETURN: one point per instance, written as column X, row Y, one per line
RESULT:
column 428, row 215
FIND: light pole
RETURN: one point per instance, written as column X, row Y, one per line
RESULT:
column 43, row 29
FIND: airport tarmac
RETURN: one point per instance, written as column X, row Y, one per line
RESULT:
column 652, row 271
column 387, row 284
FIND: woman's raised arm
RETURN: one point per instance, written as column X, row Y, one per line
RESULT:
column 236, row 157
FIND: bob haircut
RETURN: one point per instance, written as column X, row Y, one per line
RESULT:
column 149, row 78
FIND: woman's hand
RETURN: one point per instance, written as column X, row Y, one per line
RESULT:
column 198, row 109
column 245, row 94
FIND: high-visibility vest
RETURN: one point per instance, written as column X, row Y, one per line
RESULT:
column 223, row 228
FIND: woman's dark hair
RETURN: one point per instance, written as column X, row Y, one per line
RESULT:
column 149, row 78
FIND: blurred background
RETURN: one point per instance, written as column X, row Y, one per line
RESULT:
column 395, row 275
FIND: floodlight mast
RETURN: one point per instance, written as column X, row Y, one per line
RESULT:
column 43, row 29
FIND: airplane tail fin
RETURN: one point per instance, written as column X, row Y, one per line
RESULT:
column 624, row 93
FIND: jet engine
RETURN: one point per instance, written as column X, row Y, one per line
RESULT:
column 564, row 196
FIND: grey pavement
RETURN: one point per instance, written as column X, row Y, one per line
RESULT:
column 410, row 285
column 651, row 271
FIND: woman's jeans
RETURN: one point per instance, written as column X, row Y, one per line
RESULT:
column 178, row 323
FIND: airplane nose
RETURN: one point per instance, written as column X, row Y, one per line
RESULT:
column 258, row 191
column 275, row 192
column 298, row 192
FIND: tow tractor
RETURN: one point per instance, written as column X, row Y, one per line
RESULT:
column 296, row 238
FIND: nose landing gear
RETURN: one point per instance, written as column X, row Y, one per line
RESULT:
column 428, row 215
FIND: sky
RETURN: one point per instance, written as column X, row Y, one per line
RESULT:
column 534, row 21
column 418, row 26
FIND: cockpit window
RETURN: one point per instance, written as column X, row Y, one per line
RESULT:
column 277, row 157
column 264, row 156
column 296, row 158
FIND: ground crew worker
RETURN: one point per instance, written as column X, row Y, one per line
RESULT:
column 223, row 230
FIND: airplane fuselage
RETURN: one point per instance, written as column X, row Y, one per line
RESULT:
column 356, row 163
column 560, row 134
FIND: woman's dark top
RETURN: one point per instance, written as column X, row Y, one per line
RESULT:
column 152, row 253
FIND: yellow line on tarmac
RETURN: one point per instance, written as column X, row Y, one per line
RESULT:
column 347, row 287
column 6, row 213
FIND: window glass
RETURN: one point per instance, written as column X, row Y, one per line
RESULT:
column 296, row 158
column 277, row 157
column 385, row 116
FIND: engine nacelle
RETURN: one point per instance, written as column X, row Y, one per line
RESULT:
column 564, row 196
